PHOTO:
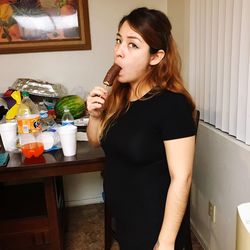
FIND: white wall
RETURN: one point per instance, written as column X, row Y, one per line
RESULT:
column 79, row 71
column 222, row 164
column 221, row 175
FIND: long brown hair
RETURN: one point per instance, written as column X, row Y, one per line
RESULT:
column 155, row 29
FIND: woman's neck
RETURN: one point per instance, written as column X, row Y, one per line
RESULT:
column 137, row 92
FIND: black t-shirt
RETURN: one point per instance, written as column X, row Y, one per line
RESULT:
column 136, row 176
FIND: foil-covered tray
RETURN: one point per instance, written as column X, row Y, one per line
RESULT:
column 40, row 88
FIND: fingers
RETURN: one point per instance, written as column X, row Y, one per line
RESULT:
column 99, row 91
column 96, row 100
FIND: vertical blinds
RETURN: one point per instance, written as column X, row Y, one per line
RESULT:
column 219, row 64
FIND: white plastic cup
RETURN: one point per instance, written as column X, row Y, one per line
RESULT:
column 50, row 139
column 8, row 133
column 67, row 136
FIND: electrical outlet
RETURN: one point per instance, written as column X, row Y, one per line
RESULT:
column 211, row 211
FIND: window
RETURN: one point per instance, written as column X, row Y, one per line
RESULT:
column 219, row 65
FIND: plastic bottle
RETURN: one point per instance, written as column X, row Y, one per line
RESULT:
column 43, row 115
column 29, row 128
column 67, row 117
column 46, row 120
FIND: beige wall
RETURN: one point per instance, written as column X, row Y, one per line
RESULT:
column 178, row 14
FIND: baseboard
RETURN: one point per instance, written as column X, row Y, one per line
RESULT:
column 92, row 200
column 198, row 236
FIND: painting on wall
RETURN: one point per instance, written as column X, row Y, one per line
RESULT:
column 44, row 25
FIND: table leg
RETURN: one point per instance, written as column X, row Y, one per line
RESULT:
column 52, row 205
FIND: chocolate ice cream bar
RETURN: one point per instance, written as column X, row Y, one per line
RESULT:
column 111, row 75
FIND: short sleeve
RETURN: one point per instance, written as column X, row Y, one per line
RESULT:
column 176, row 120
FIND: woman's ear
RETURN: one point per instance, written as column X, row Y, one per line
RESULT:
column 157, row 57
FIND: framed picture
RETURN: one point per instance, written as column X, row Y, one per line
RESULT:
column 44, row 25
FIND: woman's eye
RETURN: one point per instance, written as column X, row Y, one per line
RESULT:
column 118, row 41
column 133, row 45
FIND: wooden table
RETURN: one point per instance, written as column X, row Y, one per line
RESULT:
column 32, row 199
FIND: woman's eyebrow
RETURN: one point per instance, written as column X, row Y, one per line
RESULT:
column 130, row 37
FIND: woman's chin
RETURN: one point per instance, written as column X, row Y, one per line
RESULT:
column 121, row 79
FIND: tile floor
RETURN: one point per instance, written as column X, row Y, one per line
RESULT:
column 85, row 229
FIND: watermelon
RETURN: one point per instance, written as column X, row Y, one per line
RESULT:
column 74, row 103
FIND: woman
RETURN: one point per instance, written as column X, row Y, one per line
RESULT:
column 146, row 129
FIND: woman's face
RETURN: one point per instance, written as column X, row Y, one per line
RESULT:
column 131, row 54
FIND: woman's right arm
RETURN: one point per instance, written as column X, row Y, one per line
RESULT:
column 95, row 102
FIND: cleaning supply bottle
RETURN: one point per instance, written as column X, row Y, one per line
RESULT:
column 67, row 117
column 29, row 127
column 12, row 113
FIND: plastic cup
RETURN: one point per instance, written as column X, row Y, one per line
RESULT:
column 67, row 136
column 8, row 133
column 50, row 139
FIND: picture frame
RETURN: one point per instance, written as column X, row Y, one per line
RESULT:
column 44, row 25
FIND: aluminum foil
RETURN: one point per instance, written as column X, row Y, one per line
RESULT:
column 39, row 88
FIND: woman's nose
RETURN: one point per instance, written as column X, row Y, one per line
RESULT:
column 119, row 51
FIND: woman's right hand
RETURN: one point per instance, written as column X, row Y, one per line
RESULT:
column 95, row 101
